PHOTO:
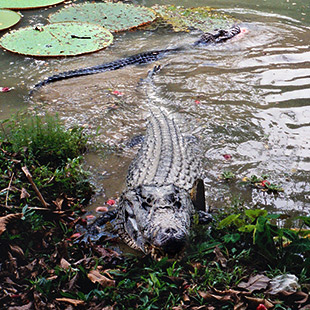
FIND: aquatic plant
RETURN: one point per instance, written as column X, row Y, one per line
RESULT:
column 186, row 19
column 113, row 16
column 27, row 4
column 59, row 39
column 8, row 19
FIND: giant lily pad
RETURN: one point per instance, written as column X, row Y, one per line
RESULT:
column 185, row 19
column 113, row 16
column 27, row 4
column 8, row 19
column 59, row 39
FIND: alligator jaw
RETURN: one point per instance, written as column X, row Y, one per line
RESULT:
column 158, row 254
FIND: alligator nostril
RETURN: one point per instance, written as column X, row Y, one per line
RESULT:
column 170, row 240
column 170, row 231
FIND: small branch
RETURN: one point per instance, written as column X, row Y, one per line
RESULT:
column 29, row 177
column 7, row 193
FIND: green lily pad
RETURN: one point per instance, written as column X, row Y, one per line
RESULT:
column 185, row 19
column 27, row 4
column 8, row 19
column 113, row 16
column 59, row 39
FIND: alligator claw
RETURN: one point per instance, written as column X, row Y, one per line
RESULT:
column 204, row 217
column 102, row 220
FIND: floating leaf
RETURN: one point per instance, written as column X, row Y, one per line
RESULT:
column 113, row 16
column 8, row 19
column 59, row 39
column 27, row 4
column 185, row 19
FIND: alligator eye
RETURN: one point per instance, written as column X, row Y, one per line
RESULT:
column 149, row 199
column 171, row 198
column 177, row 204
column 145, row 205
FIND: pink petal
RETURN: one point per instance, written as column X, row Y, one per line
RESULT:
column 118, row 93
column 4, row 89
column 111, row 202
column 101, row 209
column 264, row 182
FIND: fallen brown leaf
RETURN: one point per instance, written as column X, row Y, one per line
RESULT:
column 214, row 297
column 254, row 302
column 96, row 277
column 219, row 257
column 255, row 283
column 105, row 253
column 58, row 203
column 16, row 250
column 73, row 281
column 241, row 305
column 294, row 297
column 64, row 264
column 74, row 302
column 24, row 194
column 4, row 220
column 178, row 281
column 24, row 307
column 39, row 304
column 186, row 298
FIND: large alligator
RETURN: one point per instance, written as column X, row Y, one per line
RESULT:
column 154, row 213
column 208, row 38
column 164, row 190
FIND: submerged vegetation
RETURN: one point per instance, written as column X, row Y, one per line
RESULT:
column 230, row 264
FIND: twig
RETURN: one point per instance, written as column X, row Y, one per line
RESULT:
column 29, row 177
column 3, row 130
column 7, row 193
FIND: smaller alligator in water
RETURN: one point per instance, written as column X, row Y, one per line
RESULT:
column 208, row 38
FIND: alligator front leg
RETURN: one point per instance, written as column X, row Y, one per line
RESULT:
column 102, row 220
column 204, row 217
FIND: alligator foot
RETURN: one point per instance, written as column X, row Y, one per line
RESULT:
column 204, row 217
column 108, row 216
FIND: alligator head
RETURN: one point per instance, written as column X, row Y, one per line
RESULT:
column 155, row 219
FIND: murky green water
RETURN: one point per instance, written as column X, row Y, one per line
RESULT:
column 253, row 94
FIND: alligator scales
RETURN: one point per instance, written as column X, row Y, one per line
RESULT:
column 154, row 213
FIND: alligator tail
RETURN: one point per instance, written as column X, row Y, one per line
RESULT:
column 140, row 58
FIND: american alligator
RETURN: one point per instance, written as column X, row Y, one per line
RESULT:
column 163, row 188
column 208, row 38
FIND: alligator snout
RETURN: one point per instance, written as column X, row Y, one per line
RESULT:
column 170, row 241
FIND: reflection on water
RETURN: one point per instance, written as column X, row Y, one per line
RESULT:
column 248, row 98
